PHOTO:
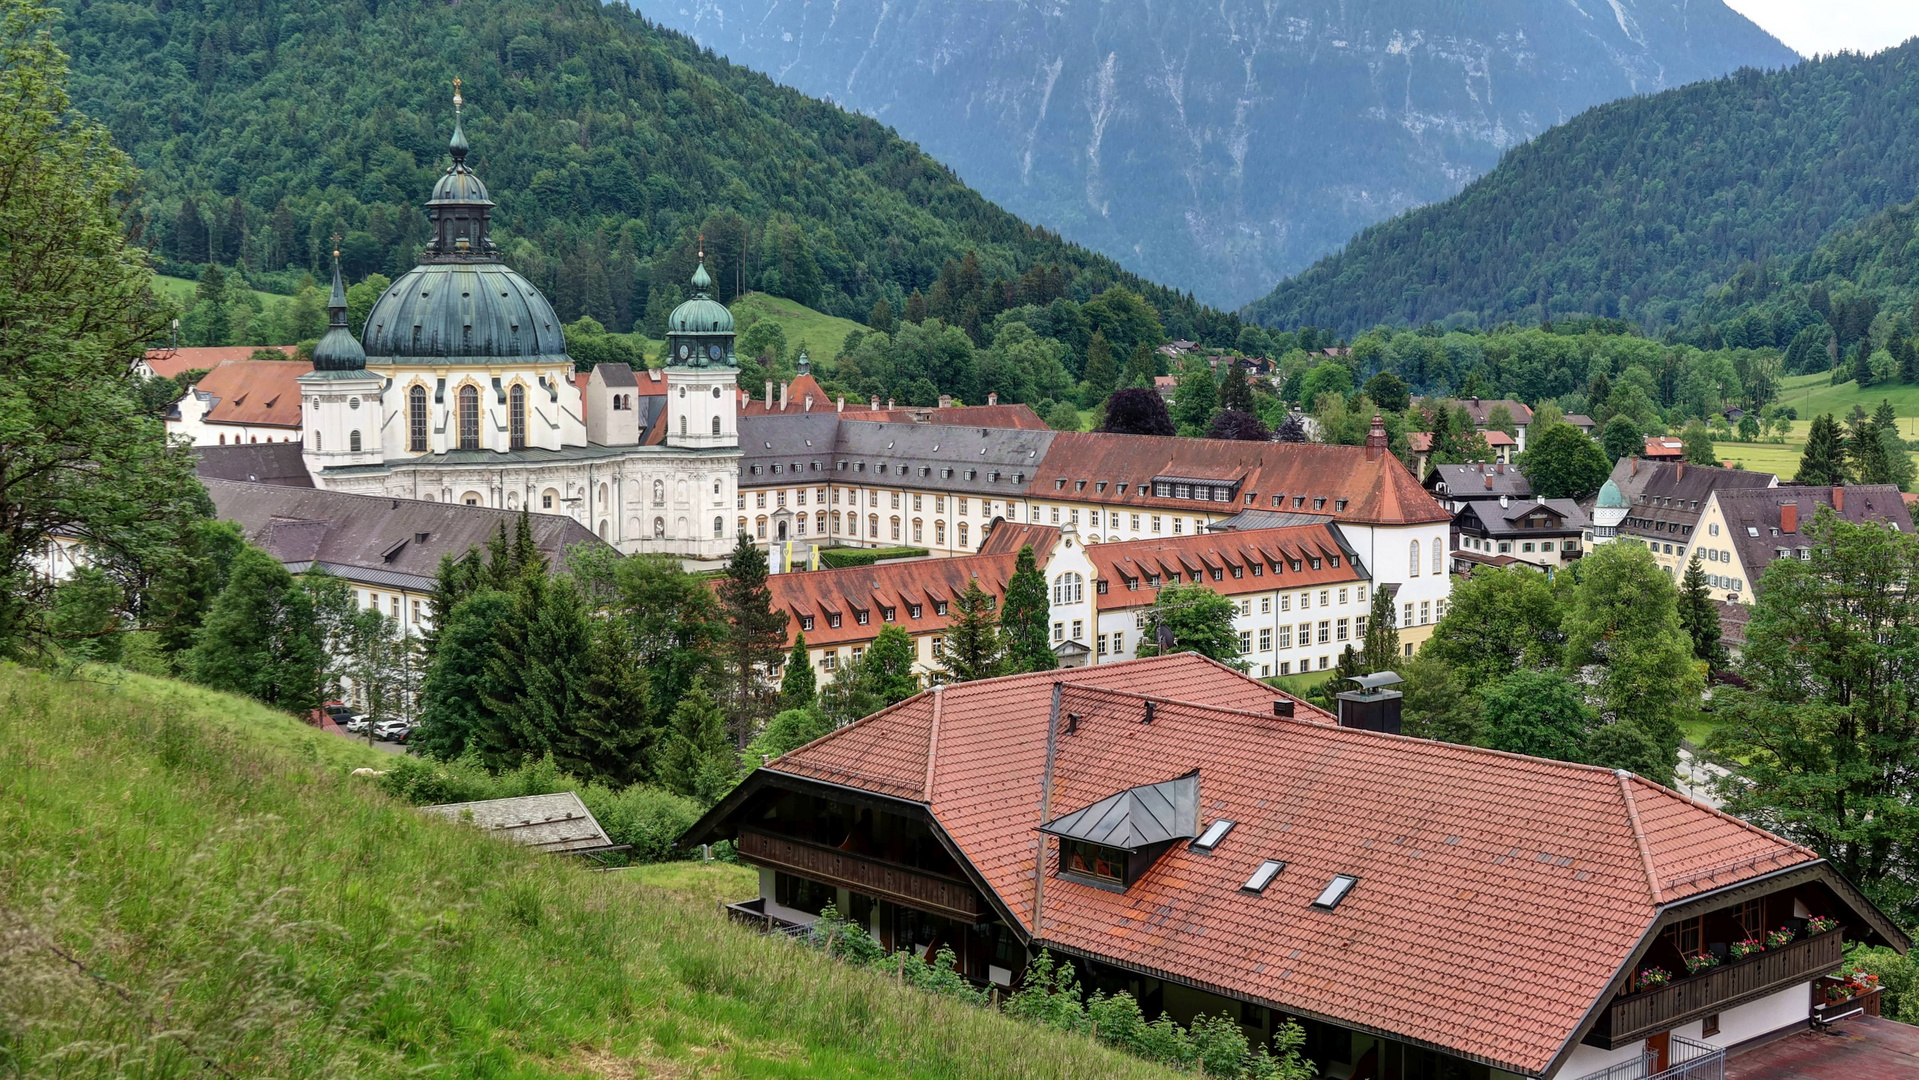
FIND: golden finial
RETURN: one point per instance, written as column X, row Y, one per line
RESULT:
column 336, row 243
column 702, row 247
column 457, row 99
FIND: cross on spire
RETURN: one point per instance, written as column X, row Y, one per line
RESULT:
column 457, row 99
column 336, row 243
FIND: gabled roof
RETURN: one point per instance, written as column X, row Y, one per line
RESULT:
column 1007, row 537
column 1137, row 818
column 1760, row 527
column 1479, row 480
column 1471, row 863
column 393, row 542
column 1487, row 517
column 1284, row 558
column 1673, row 494
column 558, row 823
column 928, row 582
column 280, row 463
column 170, row 363
column 1012, row 417
column 257, row 392
column 1375, row 486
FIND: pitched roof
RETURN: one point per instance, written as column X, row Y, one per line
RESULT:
column 396, row 542
column 1664, row 447
column 1471, row 863
column 1008, row 537
column 1136, row 818
column 1480, row 408
column 794, row 402
column 1490, row 518
column 170, row 363
column 280, row 463
column 1479, row 480
column 558, row 823
column 1266, row 559
column 1376, row 487
column 1012, row 417
column 1758, row 525
column 1667, row 497
column 928, row 582
column 257, row 392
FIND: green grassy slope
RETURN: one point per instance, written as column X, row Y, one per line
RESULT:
column 821, row 333
column 1814, row 395
column 181, row 292
column 178, row 891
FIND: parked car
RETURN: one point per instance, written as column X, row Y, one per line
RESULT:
column 392, row 730
column 357, row 723
column 338, row 711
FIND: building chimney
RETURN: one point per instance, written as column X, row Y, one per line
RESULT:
column 1282, row 706
column 1680, row 472
column 1505, row 502
column 842, row 407
column 889, row 404
column 1500, row 468
column 809, row 403
column 876, row 403
column 993, row 398
column 1540, row 499
column 1839, row 499
column 784, row 388
column 1475, row 402
column 1789, row 518
column 946, row 401
column 1376, row 439
column 1489, row 481
column 769, row 395
column 1635, row 466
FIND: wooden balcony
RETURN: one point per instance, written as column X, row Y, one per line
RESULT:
column 1735, row 982
column 934, row 893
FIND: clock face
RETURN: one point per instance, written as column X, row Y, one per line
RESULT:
column 713, row 351
column 685, row 351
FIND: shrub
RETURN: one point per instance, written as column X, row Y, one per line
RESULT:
column 841, row 558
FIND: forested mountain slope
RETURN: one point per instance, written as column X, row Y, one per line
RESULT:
column 1220, row 146
column 261, row 126
column 1638, row 208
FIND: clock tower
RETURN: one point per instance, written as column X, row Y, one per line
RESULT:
column 702, row 406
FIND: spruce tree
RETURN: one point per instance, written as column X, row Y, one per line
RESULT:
column 1024, row 617
column 553, row 672
column 1869, row 462
column 1234, row 391
column 260, row 638
column 1102, row 374
column 972, row 648
column 1824, row 461
column 1907, row 356
column 500, row 739
column 453, row 583
column 696, row 758
column 799, row 687
column 608, row 736
column 1899, row 469
column 1699, row 615
column 457, row 685
column 1862, row 363
column 889, row 666
column 755, row 636
column 526, row 554
column 1381, row 651
column 1349, row 667
column 499, row 561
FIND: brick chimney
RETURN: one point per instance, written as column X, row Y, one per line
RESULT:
column 1635, row 466
column 1500, row 468
column 1839, row 499
column 1489, row 481
column 1789, row 518
column 769, row 395
column 1376, row 439
column 1680, row 472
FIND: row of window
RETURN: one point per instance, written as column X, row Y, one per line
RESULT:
column 1174, row 577
column 888, row 613
column 897, row 530
column 961, row 504
column 1505, row 547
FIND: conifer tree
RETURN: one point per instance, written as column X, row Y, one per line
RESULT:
column 553, row 672
column 1291, row 430
column 457, row 685
column 972, row 648
column 260, row 638
column 1869, row 462
column 1824, row 461
column 1899, row 470
column 1102, row 374
column 696, row 758
column 1234, row 391
column 1906, row 356
column 608, row 737
column 526, row 554
column 1024, row 615
column 499, row 739
column 499, row 561
column 889, row 666
column 1699, row 615
column 799, row 687
column 454, row 582
column 755, row 636
column 1382, row 635
column 1862, row 363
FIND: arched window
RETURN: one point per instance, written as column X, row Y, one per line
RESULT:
column 1413, row 560
column 469, row 418
column 316, row 440
column 1439, row 563
column 873, row 526
column 416, row 420
column 918, row 531
column 1069, row 588
column 742, row 526
column 896, row 528
column 659, row 493
column 716, row 425
column 603, row 494
column 603, row 528
column 759, row 527
column 819, row 522
column 223, row 441
column 547, row 497
column 516, row 417
column 353, row 440
column 719, row 528
column 471, row 498
column 962, row 534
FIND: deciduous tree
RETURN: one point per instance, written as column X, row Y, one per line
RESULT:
column 1561, row 462
column 1624, row 639
column 1191, row 618
column 260, row 639
column 1137, row 410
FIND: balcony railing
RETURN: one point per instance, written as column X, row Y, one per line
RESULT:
column 1687, row 1060
column 934, row 893
column 1650, row 1012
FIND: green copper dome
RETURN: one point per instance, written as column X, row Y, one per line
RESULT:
column 702, row 314
column 1611, row 498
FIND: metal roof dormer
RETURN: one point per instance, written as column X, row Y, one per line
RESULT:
column 1113, row 842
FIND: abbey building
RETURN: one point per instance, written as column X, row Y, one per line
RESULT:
column 460, row 390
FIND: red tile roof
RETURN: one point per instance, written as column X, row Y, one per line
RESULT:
column 1662, row 447
column 1008, row 537
column 1498, row 895
column 1019, row 417
column 169, row 363
column 818, row 593
column 796, row 393
column 259, row 392
column 1378, row 489
column 1293, row 549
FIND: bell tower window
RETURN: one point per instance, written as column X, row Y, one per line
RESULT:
column 516, row 418
column 416, row 419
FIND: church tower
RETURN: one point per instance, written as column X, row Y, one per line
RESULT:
column 342, row 416
column 702, row 405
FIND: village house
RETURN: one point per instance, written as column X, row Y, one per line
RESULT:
column 1542, row 533
column 1658, row 503
column 1741, row 531
column 241, row 402
column 1191, row 836
column 1453, row 486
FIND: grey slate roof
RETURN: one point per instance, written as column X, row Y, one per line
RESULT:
column 797, row 441
column 1488, row 518
column 1248, row 520
column 259, row 463
column 558, row 823
column 1001, row 461
column 620, row 375
column 1754, row 527
column 1137, row 817
column 1485, row 480
column 1667, row 497
column 372, row 539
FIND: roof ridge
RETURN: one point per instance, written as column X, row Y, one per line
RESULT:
column 1748, row 826
column 1639, row 837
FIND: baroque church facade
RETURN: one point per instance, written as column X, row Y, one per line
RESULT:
column 459, row 389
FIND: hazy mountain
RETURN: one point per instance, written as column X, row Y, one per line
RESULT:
column 1222, row 146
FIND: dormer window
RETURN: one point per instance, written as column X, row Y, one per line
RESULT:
column 806, row 622
column 913, row 611
column 1115, row 841
column 833, row 619
column 862, row 617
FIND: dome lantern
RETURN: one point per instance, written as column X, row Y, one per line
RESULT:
column 699, row 333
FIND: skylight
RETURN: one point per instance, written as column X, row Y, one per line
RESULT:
column 1335, row 891
column 1214, row 833
column 1263, row 876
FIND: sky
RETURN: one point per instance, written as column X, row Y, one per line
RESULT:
column 1813, row 27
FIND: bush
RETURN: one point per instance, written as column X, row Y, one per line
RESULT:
column 841, row 558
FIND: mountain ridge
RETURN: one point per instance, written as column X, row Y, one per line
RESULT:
column 1218, row 148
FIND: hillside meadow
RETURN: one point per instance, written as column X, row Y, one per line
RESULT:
column 1815, row 395
column 193, row 885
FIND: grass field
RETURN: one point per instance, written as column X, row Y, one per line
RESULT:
column 180, row 291
column 186, row 890
column 821, row 333
column 1814, row 395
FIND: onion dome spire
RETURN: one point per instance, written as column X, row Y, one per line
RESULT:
column 339, row 350
column 458, row 143
column 702, row 281
column 460, row 207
